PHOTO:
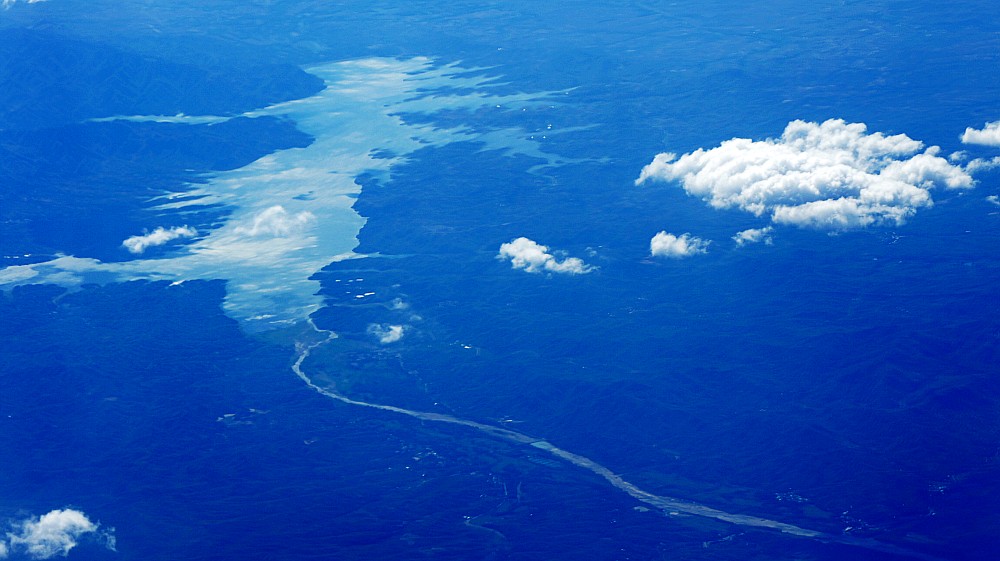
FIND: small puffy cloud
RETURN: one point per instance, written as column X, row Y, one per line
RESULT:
column 159, row 236
column 387, row 333
column 3, row 550
column 533, row 257
column 49, row 535
column 754, row 235
column 993, row 199
column 982, row 164
column 989, row 135
column 669, row 245
column 277, row 222
column 830, row 176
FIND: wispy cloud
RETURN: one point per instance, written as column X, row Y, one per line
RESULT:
column 159, row 236
column 989, row 135
column 831, row 176
column 53, row 534
column 533, row 257
column 670, row 245
column 9, row 3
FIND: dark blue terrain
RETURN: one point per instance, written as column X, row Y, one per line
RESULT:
column 844, row 382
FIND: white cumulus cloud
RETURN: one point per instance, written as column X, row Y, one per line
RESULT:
column 982, row 164
column 276, row 221
column 831, row 175
column 669, row 245
column 159, row 236
column 989, row 135
column 49, row 535
column 387, row 333
column 533, row 257
column 754, row 235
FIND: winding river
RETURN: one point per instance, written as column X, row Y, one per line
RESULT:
column 669, row 505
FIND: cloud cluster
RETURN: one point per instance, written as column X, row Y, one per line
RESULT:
column 533, row 257
column 159, row 236
column 386, row 333
column 49, row 535
column 989, row 135
column 829, row 176
column 669, row 245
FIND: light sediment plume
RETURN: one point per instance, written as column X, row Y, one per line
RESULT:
column 291, row 213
